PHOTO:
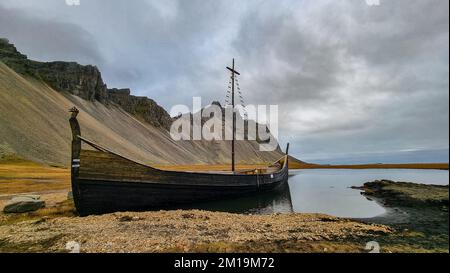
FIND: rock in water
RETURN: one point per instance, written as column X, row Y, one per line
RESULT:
column 26, row 203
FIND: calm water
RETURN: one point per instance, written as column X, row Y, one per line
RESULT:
column 326, row 191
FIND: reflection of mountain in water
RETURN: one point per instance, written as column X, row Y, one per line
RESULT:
column 277, row 201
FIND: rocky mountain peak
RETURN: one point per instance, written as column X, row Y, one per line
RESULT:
column 84, row 81
column 9, row 51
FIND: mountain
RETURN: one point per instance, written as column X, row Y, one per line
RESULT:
column 34, row 102
column 83, row 81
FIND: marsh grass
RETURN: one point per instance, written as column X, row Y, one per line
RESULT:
column 420, row 192
column 41, row 246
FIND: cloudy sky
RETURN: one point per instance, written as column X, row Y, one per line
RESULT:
column 354, row 82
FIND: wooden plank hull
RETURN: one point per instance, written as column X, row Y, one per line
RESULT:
column 105, row 196
column 104, row 182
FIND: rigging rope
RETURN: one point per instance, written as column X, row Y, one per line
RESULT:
column 241, row 98
column 228, row 98
column 228, row 102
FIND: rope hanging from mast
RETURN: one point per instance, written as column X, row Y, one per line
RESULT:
column 241, row 98
column 239, row 93
column 228, row 96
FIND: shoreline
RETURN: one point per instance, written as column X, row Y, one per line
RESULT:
column 412, row 209
column 14, row 162
column 194, row 231
column 417, row 166
column 407, row 225
column 191, row 231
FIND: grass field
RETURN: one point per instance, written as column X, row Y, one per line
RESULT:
column 298, row 166
column 51, row 227
column 20, row 176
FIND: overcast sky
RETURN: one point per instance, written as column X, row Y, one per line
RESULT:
column 353, row 81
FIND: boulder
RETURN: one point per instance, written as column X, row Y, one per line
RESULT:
column 25, row 203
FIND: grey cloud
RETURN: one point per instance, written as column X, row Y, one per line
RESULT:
column 48, row 40
column 398, row 32
column 406, row 58
column 347, row 77
column 289, row 62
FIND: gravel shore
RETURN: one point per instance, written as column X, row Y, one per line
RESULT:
column 186, row 231
column 416, row 221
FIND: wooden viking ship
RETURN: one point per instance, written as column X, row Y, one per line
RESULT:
column 104, row 181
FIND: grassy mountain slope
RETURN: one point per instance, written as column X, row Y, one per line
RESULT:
column 34, row 125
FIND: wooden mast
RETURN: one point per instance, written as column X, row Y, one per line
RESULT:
column 233, row 73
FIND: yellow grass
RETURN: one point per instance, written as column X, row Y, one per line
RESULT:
column 223, row 167
column 20, row 176
column 297, row 165
column 437, row 166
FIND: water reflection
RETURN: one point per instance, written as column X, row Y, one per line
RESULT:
column 324, row 191
column 277, row 201
column 328, row 191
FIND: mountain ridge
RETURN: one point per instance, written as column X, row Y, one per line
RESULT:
column 84, row 81
column 34, row 118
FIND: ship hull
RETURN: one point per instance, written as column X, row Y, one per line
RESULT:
column 103, row 182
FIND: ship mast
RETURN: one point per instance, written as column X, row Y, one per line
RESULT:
column 233, row 73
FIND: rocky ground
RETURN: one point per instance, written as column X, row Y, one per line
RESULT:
column 418, row 211
column 190, row 231
column 52, row 229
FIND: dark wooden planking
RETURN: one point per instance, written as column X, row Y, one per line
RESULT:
column 103, row 197
column 109, row 183
column 108, row 196
column 104, row 182
column 96, row 165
